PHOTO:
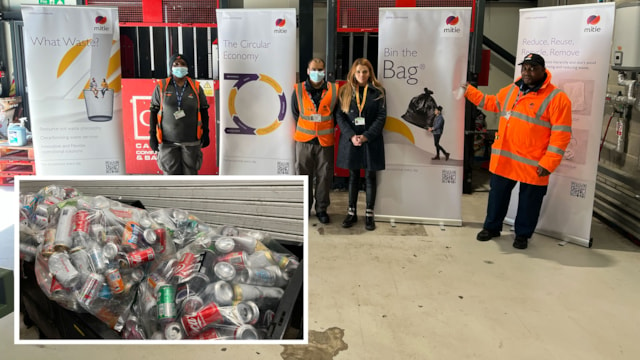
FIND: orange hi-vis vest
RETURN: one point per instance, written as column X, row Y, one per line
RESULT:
column 314, row 122
column 534, row 129
column 163, row 84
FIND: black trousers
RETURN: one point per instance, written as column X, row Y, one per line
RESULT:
column 370, row 188
column 436, row 140
column 529, row 205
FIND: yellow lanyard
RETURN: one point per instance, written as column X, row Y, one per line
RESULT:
column 364, row 99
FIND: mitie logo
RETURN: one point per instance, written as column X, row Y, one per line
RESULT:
column 451, row 27
column 280, row 27
column 101, row 23
column 592, row 21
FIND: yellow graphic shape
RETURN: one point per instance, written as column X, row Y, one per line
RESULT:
column 114, row 64
column 267, row 129
column 269, row 80
column 232, row 101
column 71, row 55
column 115, row 84
column 398, row 126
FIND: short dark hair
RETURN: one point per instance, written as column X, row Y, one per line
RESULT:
column 316, row 59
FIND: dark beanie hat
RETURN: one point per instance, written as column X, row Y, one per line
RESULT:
column 177, row 56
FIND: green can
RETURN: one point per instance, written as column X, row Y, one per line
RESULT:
column 166, row 303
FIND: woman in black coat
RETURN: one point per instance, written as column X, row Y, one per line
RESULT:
column 361, row 119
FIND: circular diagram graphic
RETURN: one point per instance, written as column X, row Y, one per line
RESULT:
column 243, row 128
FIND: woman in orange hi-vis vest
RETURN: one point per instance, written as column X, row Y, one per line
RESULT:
column 179, row 121
column 534, row 131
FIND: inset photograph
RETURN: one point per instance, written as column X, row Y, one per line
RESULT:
column 161, row 259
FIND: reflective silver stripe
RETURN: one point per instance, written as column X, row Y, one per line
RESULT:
column 506, row 101
column 311, row 118
column 565, row 128
column 513, row 156
column 481, row 104
column 545, row 103
column 312, row 132
column 530, row 119
column 555, row 150
column 299, row 91
column 334, row 95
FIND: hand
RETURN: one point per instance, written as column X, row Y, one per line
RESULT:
column 363, row 139
column 153, row 142
column 542, row 171
column 205, row 140
column 355, row 140
column 430, row 129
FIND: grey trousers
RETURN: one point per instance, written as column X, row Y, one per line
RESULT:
column 316, row 161
column 180, row 159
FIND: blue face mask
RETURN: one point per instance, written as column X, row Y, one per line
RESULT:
column 316, row 76
column 180, row 71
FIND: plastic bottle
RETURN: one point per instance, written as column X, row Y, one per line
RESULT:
column 17, row 133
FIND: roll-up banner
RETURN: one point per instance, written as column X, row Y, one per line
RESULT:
column 419, row 75
column 72, row 59
column 257, row 50
column 575, row 42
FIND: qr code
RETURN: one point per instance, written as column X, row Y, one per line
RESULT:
column 448, row 176
column 283, row 167
column 112, row 166
column 578, row 189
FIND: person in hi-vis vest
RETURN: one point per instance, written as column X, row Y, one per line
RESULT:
column 179, row 121
column 313, row 105
column 533, row 134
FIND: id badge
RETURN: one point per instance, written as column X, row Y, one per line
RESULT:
column 178, row 114
column 359, row 121
column 316, row 117
column 507, row 115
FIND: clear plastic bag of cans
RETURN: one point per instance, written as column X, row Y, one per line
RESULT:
column 89, row 255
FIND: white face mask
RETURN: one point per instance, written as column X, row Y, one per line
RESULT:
column 180, row 71
column 316, row 76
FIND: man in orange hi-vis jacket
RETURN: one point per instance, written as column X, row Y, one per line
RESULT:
column 534, row 131
column 313, row 106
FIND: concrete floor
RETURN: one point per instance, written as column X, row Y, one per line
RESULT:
column 422, row 292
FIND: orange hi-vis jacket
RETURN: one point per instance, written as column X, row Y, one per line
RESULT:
column 534, row 129
column 314, row 122
column 163, row 83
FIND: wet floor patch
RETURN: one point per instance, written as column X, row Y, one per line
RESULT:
column 322, row 346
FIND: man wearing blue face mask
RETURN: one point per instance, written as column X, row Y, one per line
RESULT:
column 314, row 102
column 179, row 121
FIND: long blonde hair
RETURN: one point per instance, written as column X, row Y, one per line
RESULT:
column 347, row 90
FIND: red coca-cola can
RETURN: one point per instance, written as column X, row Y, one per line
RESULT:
column 208, row 334
column 80, row 224
column 193, row 324
column 185, row 267
column 140, row 257
column 238, row 259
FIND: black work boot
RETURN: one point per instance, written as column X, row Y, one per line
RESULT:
column 369, row 222
column 351, row 218
column 521, row 242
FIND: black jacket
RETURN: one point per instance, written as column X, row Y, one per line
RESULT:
column 370, row 155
